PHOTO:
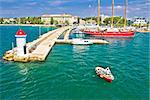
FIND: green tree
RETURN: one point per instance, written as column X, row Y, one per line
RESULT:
column 130, row 22
column 107, row 21
column 55, row 22
column 6, row 23
column 96, row 19
column 66, row 22
column 118, row 21
column 78, row 20
column 135, row 25
column 1, row 20
column 22, row 20
column 147, row 25
column 52, row 21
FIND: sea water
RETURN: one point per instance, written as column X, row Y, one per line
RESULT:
column 69, row 71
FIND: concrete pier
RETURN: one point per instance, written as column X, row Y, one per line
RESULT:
column 46, row 45
column 66, row 37
column 39, row 49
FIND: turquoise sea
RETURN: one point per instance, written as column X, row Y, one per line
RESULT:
column 68, row 73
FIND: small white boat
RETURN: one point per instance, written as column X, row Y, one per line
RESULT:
column 104, row 73
column 81, row 41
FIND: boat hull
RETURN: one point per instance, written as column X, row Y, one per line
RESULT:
column 108, row 78
column 81, row 42
column 110, row 34
column 105, row 78
column 148, row 31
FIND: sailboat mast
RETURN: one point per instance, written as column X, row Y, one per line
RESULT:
column 98, row 17
column 125, row 14
column 112, row 19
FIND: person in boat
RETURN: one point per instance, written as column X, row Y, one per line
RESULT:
column 107, row 70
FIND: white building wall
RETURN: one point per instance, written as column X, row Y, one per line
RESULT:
column 140, row 21
column 60, row 18
column 20, row 42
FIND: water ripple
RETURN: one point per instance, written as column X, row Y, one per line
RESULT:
column 69, row 73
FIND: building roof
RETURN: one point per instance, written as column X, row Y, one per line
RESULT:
column 20, row 33
column 58, row 15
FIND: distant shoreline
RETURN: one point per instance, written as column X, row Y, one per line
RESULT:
column 27, row 25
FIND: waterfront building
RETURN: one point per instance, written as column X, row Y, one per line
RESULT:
column 59, row 19
column 82, row 22
column 21, row 42
column 6, row 20
column 9, row 20
column 140, row 21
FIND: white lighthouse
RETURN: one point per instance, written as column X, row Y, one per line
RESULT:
column 21, row 42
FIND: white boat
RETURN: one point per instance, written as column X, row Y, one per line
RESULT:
column 81, row 41
column 104, row 73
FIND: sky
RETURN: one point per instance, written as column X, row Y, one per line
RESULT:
column 82, row 8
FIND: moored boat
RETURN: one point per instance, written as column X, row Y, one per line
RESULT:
column 104, row 73
column 81, row 42
column 111, row 33
column 144, row 31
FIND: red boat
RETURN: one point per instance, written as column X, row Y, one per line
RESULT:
column 104, row 73
column 111, row 34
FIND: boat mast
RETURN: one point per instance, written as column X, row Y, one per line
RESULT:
column 125, row 14
column 112, row 19
column 98, row 17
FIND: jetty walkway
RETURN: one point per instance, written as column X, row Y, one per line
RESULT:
column 47, row 42
column 38, row 49
column 66, row 39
